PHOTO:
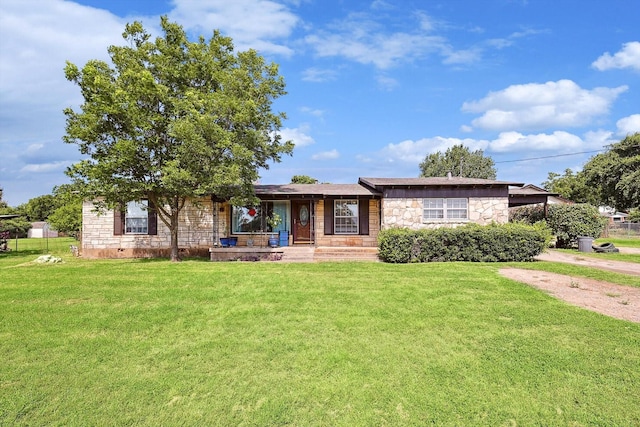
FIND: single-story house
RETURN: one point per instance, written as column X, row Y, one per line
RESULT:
column 612, row 215
column 320, row 215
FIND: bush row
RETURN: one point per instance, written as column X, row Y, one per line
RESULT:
column 492, row 243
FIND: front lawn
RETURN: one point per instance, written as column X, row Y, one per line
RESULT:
column 149, row 342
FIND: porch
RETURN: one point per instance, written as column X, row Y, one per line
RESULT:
column 298, row 253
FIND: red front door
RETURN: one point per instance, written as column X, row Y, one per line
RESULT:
column 301, row 215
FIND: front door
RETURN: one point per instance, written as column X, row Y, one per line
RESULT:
column 301, row 215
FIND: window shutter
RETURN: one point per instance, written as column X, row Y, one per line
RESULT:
column 328, row 216
column 118, row 222
column 152, row 219
column 363, row 217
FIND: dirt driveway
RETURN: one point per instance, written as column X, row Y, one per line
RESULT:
column 621, row 302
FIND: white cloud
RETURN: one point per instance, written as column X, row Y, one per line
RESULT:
column 542, row 106
column 313, row 111
column 627, row 57
column 557, row 141
column 361, row 39
column 318, row 75
column 629, row 125
column 326, row 155
column 45, row 167
column 253, row 24
column 387, row 83
column 415, row 151
column 298, row 135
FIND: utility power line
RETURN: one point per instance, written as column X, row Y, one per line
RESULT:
column 549, row 157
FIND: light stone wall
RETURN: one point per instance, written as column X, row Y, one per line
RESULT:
column 195, row 233
column 407, row 213
column 352, row 240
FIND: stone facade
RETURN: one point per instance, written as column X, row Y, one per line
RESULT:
column 351, row 240
column 407, row 213
column 195, row 234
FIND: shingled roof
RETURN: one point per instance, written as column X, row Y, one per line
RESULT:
column 315, row 190
column 379, row 183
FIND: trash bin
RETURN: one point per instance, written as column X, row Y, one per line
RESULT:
column 585, row 243
column 284, row 238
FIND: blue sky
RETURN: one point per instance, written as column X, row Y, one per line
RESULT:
column 373, row 86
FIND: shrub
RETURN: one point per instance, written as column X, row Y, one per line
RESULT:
column 568, row 222
column 396, row 244
column 492, row 243
column 527, row 214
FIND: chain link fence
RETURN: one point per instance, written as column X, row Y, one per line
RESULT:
column 622, row 229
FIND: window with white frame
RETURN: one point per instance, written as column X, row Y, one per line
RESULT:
column 345, row 216
column 435, row 209
column 136, row 219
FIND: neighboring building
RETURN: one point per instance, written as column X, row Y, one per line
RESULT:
column 332, row 215
column 612, row 215
column 41, row 230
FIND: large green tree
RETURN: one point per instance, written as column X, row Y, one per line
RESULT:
column 175, row 119
column 572, row 186
column 460, row 161
column 617, row 174
column 67, row 217
column 39, row 208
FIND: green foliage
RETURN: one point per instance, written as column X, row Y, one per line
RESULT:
column 67, row 217
column 568, row 222
column 617, row 174
column 527, row 214
column 175, row 119
column 492, row 243
column 3, row 204
column 634, row 215
column 572, row 186
column 303, row 179
column 17, row 227
column 39, row 208
column 460, row 161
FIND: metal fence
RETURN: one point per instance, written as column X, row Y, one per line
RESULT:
column 622, row 229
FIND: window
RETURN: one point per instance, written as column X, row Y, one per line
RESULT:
column 346, row 216
column 254, row 219
column 444, row 209
column 139, row 217
column 136, row 220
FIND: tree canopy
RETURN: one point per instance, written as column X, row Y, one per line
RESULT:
column 571, row 186
column 39, row 208
column 67, row 217
column 303, row 179
column 460, row 161
column 174, row 119
column 617, row 174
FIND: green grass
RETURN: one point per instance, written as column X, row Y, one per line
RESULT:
column 626, row 242
column 149, row 342
column 611, row 256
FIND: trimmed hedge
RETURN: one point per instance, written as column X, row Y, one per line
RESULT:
column 491, row 243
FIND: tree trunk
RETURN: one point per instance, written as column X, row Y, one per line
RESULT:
column 173, row 229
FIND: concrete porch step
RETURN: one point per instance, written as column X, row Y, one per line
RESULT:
column 346, row 254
